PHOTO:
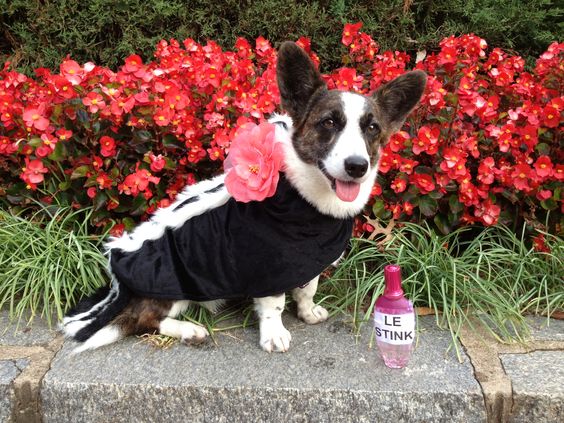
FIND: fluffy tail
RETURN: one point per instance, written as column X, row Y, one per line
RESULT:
column 88, row 321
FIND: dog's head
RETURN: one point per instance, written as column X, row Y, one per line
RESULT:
column 337, row 135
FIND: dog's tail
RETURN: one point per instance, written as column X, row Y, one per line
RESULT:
column 88, row 321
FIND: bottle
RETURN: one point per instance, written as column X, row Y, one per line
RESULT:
column 394, row 321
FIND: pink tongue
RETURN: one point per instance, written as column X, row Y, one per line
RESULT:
column 347, row 191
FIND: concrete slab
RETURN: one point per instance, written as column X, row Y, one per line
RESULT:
column 537, row 379
column 327, row 376
column 9, row 370
column 543, row 329
column 14, row 332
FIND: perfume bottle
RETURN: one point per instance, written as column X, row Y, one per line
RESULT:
column 394, row 321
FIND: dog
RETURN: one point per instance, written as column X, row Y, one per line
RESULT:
column 206, row 247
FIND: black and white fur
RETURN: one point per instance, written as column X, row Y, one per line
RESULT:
column 332, row 140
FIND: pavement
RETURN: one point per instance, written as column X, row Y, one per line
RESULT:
column 329, row 375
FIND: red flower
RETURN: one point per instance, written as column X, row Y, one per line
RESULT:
column 544, row 194
column 551, row 117
column 427, row 140
column 539, row 244
column 521, row 175
column 399, row 185
column 132, row 64
column 63, row 134
column 376, row 190
column 157, row 162
column 488, row 212
column 137, row 182
column 117, row 230
column 94, row 101
column 107, row 146
column 33, row 118
column 72, row 71
column 398, row 140
column 543, row 166
column 346, row 79
column 253, row 164
column 349, row 32
column 423, row 181
column 33, row 172
column 91, row 192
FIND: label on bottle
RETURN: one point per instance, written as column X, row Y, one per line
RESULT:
column 395, row 329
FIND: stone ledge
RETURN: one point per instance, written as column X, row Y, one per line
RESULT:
column 538, row 385
column 326, row 376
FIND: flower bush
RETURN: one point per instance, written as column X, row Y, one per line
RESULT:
column 484, row 145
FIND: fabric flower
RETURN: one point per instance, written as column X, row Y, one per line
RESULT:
column 254, row 162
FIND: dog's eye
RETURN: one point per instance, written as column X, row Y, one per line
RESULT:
column 373, row 128
column 328, row 123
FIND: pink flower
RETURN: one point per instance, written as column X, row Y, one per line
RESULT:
column 33, row 118
column 33, row 171
column 254, row 160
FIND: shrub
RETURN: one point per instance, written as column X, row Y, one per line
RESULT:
column 485, row 145
column 41, row 34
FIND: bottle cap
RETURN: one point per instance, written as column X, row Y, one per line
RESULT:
column 392, row 277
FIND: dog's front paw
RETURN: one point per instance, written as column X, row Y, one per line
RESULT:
column 274, row 337
column 313, row 315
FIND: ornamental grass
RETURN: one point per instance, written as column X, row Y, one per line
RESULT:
column 47, row 261
column 487, row 276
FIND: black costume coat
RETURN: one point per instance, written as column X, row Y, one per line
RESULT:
column 236, row 250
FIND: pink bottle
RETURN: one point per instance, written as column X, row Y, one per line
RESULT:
column 394, row 321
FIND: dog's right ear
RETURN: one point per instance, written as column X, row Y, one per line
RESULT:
column 298, row 79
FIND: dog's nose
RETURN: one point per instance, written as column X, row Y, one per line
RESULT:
column 356, row 166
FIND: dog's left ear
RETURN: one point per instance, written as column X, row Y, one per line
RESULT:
column 398, row 97
column 298, row 79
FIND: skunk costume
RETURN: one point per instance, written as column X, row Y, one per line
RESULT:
column 254, row 249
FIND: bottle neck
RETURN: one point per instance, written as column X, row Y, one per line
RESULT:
column 392, row 278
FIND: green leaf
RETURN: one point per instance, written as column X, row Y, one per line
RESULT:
column 35, row 142
column 59, row 153
column 442, row 224
column 455, row 205
column 436, row 195
column 170, row 141
column 129, row 223
column 80, row 172
column 100, row 200
column 378, row 208
column 139, row 205
column 64, row 185
column 142, row 135
column 543, row 148
column 428, row 205
column 549, row 204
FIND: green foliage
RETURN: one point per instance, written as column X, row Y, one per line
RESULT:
column 38, row 33
column 48, row 261
column 472, row 275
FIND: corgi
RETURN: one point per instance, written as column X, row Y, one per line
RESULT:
column 206, row 247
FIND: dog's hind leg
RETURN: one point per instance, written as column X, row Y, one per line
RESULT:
column 308, row 311
column 273, row 335
column 185, row 331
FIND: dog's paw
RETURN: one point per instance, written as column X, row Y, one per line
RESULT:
column 274, row 337
column 194, row 334
column 313, row 315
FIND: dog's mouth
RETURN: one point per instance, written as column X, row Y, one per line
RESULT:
column 345, row 190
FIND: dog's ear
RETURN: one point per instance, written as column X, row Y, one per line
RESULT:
column 398, row 97
column 298, row 79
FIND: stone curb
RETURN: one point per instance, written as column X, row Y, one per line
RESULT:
column 490, row 360
column 327, row 376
